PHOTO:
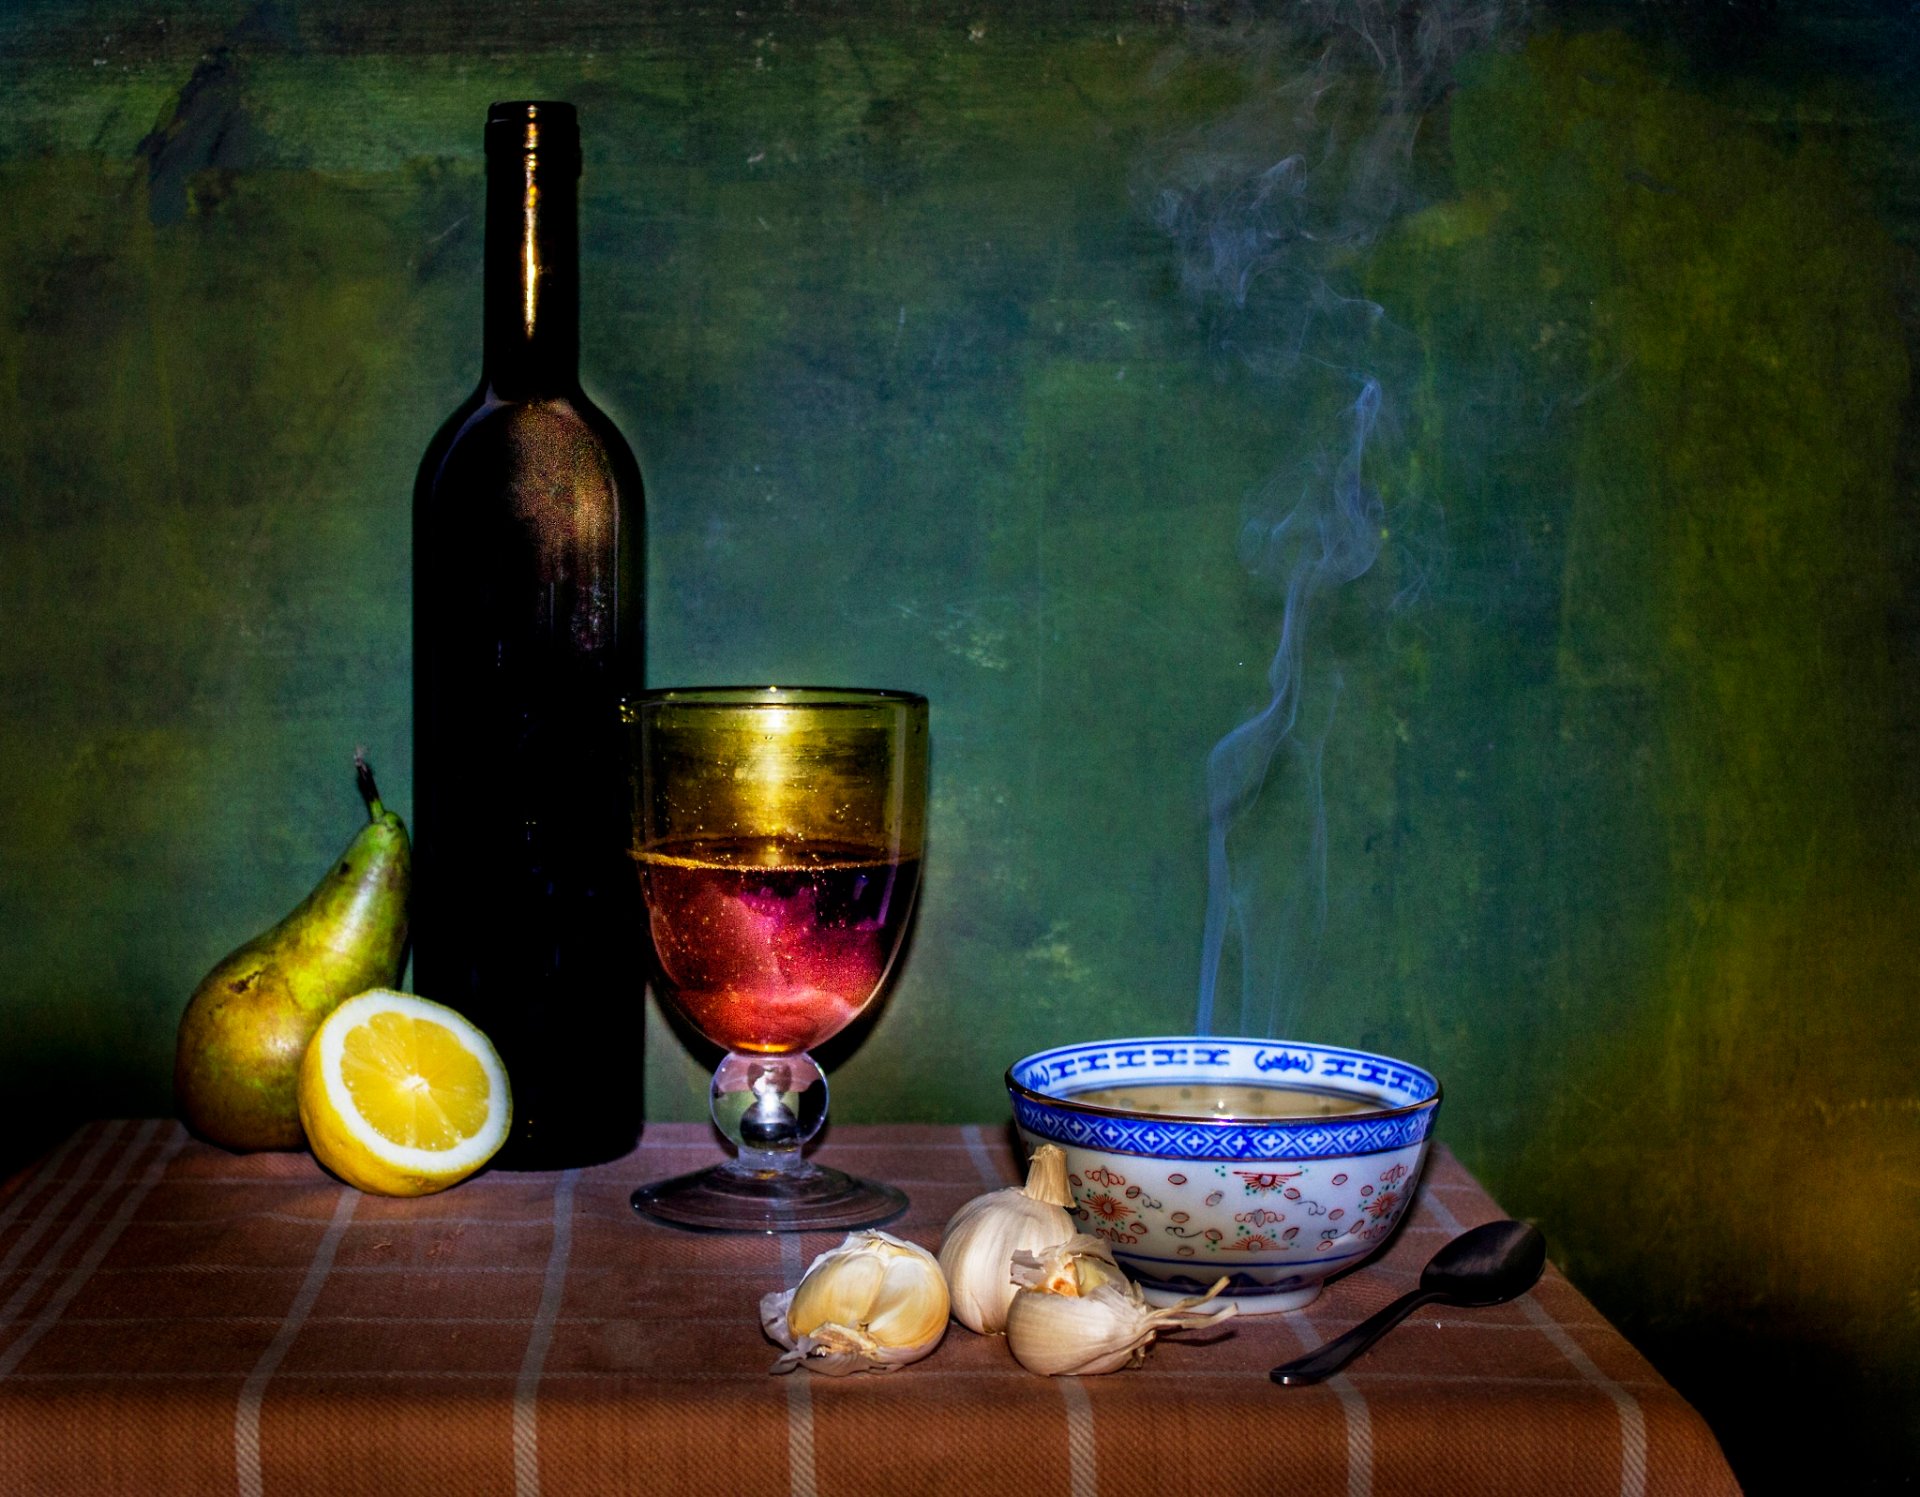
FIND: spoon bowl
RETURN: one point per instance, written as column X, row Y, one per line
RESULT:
column 1486, row 1265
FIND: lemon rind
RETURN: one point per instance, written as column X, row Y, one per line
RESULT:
column 464, row 1158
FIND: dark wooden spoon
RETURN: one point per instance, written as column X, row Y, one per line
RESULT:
column 1484, row 1266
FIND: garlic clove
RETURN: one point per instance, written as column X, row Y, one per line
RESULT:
column 977, row 1248
column 1099, row 1330
column 906, row 1308
column 872, row 1304
column 839, row 1288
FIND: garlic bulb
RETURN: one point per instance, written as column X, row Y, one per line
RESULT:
column 976, row 1252
column 1075, row 1313
column 872, row 1304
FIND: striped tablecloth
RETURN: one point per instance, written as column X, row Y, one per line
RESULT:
column 174, row 1318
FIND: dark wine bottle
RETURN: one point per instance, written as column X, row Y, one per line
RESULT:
column 527, row 618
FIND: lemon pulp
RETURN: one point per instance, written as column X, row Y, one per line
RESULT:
column 414, row 1081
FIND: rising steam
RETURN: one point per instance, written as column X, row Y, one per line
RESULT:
column 1327, row 539
column 1272, row 210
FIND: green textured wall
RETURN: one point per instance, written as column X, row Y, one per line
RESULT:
column 982, row 353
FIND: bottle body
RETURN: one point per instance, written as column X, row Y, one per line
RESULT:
column 527, row 632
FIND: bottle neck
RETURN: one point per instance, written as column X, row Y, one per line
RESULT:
column 532, row 325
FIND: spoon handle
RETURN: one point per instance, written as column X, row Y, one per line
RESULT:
column 1324, row 1361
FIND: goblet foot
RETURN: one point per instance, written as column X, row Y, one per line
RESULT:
column 725, row 1199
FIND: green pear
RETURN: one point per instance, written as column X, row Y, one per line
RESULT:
column 237, row 1064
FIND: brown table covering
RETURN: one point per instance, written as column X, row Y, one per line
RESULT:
column 174, row 1318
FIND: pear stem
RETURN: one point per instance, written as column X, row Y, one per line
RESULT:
column 363, row 781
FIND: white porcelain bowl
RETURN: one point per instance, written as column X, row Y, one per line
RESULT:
column 1275, row 1204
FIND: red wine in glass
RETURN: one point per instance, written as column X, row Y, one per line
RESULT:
column 768, row 949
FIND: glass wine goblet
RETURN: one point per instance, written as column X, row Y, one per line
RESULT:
column 778, row 833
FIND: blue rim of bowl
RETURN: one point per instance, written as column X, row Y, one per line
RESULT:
column 1192, row 1137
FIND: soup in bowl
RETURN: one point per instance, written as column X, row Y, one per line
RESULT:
column 1270, row 1163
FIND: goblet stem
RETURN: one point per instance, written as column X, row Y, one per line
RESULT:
column 768, row 1107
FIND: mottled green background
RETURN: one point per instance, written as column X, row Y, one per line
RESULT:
column 960, row 346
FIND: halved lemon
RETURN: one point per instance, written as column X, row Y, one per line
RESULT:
column 401, row 1096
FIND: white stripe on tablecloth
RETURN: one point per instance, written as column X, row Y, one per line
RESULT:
column 1444, row 1213
column 1083, row 1471
column 49, row 1262
column 246, row 1415
column 1359, row 1437
column 982, row 1158
column 1140, row 1376
column 800, row 1476
column 1633, row 1422
column 1353, row 1404
column 526, row 1392
column 77, row 1277
column 44, row 1218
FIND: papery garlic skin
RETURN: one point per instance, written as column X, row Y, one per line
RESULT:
column 1079, row 1265
column 872, row 1304
column 976, row 1250
column 1099, row 1329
